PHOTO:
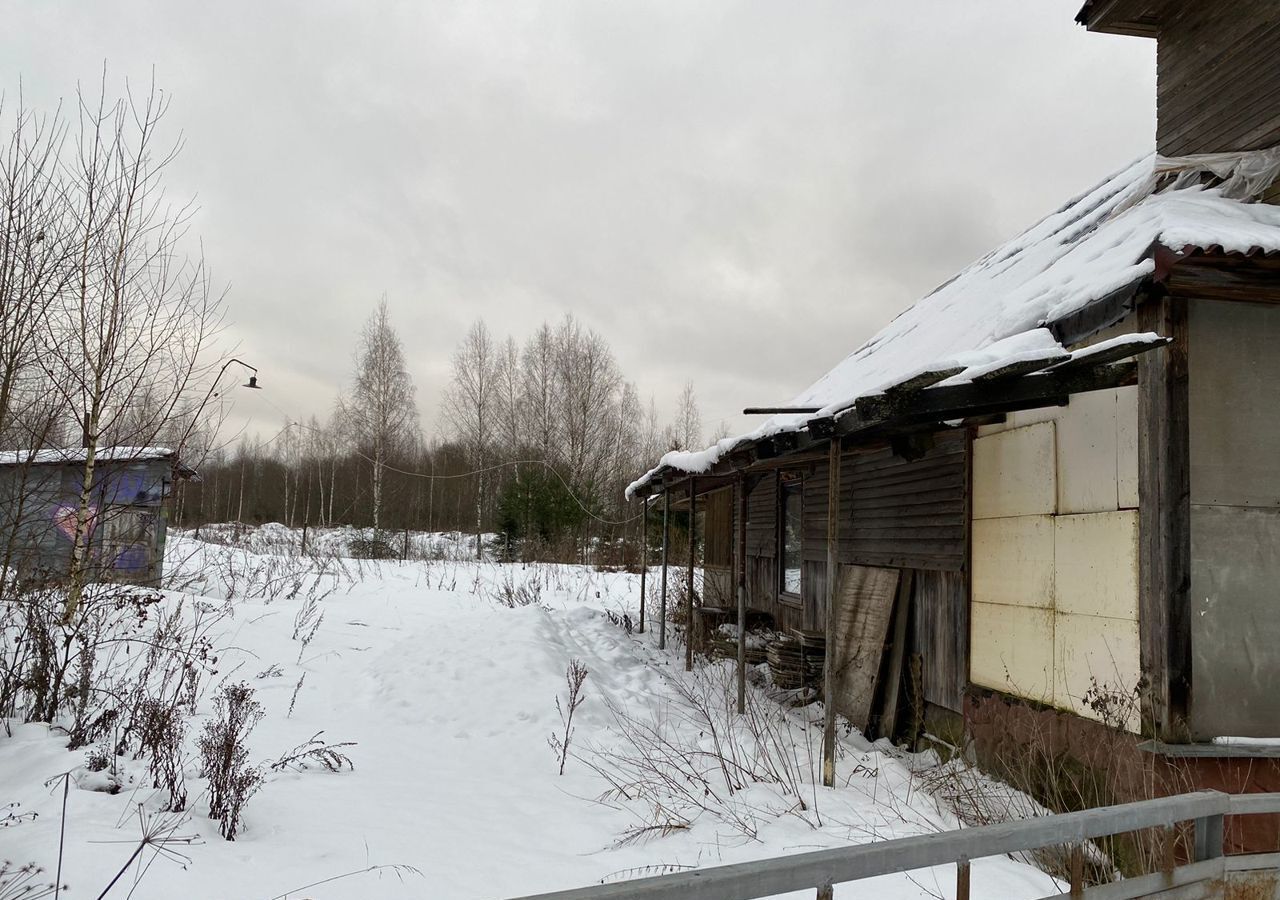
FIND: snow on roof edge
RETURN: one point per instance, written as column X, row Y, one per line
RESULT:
column 1100, row 242
column 69, row 455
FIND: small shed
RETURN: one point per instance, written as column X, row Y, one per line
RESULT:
column 40, row 494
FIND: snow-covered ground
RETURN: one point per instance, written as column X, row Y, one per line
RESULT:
column 448, row 688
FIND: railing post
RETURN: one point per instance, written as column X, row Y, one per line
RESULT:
column 826, row 892
column 962, row 878
column 1208, row 837
column 1077, row 869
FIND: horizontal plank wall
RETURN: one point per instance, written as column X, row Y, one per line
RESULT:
column 1218, row 77
column 906, row 513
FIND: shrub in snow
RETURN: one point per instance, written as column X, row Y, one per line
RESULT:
column 372, row 548
column 224, row 755
column 161, row 729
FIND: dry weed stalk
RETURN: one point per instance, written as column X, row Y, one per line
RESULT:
column 574, row 676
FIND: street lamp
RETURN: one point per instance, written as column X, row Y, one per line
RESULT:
column 251, row 383
column 182, row 442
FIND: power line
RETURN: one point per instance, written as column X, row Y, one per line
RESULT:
column 434, row 477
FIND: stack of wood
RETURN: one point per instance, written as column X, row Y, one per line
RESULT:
column 795, row 661
column 724, row 645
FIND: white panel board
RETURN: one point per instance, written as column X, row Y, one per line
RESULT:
column 1127, row 446
column 1011, row 650
column 1015, row 473
column 1096, row 564
column 1096, row 657
column 1022, row 418
column 1013, row 561
column 1087, row 453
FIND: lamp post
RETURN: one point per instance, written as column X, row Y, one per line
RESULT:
column 252, row 383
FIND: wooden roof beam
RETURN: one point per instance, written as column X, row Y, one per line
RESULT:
column 1137, row 18
column 980, row 398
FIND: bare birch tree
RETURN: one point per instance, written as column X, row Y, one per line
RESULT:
column 34, row 250
column 687, row 430
column 131, row 329
column 380, row 411
column 470, row 405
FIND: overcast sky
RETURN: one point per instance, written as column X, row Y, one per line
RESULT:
column 736, row 193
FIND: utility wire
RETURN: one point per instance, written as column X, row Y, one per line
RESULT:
column 434, row 477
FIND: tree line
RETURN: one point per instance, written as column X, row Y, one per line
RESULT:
column 108, row 327
column 537, row 440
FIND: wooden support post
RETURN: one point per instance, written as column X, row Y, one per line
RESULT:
column 740, row 586
column 666, row 551
column 644, row 555
column 826, row 892
column 1208, row 839
column 1164, row 488
column 688, row 603
column 897, row 654
column 1077, row 870
column 962, row 878
column 829, row 665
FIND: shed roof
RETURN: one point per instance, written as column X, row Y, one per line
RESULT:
column 999, row 311
column 78, row 455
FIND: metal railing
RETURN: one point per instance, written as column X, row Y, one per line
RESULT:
column 822, row 869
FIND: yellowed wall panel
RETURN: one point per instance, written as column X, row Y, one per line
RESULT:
column 1015, row 473
column 1127, row 446
column 1091, row 650
column 1086, row 443
column 1013, row 561
column 1011, row 650
column 1096, row 564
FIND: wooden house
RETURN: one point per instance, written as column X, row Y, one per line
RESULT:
column 39, row 501
column 1054, row 482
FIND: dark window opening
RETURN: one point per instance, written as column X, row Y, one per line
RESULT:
column 791, row 522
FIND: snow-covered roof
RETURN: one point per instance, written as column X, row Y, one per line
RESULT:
column 69, row 455
column 995, row 312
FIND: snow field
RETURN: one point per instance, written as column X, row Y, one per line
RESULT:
column 450, row 698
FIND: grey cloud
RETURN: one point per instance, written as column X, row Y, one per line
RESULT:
column 734, row 192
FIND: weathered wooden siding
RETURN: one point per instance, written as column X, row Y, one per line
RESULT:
column 717, row 525
column 941, row 626
column 1218, row 77
column 894, row 513
column 762, row 517
column 904, row 514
